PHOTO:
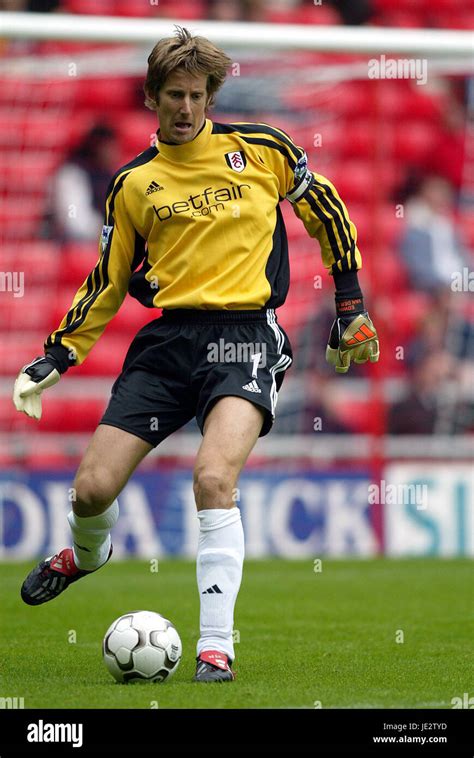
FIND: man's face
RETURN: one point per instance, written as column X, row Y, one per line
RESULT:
column 182, row 106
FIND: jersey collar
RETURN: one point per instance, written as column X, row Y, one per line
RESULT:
column 188, row 151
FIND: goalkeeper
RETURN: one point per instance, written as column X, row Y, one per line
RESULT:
column 193, row 227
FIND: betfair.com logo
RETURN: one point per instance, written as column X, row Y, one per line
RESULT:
column 202, row 204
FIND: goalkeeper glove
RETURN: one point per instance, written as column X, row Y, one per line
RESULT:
column 352, row 337
column 33, row 378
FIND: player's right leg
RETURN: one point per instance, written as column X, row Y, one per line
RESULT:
column 109, row 461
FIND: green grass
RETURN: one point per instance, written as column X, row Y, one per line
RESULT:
column 304, row 636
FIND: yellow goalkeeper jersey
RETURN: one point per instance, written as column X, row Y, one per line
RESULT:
column 199, row 225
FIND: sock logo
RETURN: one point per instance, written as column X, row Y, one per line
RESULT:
column 212, row 590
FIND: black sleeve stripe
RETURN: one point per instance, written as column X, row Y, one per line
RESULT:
column 100, row 272
column 337, row 203
column 98, row 279
column 111, row 202
column 270, row 131
column 76, row 315
column 245, row 128
column 222, row 128
column 266, row 143
column 328, row 224
column 338, row 247
column 347, row 242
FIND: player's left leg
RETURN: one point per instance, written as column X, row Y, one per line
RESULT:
column 231, row 430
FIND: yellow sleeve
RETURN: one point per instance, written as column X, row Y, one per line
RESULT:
column 315, row 201
column 101, row 295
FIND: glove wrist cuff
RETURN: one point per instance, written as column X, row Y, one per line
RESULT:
column 349, row 298
column 58, row 355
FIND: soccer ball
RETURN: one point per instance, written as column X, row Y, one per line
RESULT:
column 142, row 646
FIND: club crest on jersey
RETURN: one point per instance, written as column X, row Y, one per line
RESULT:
column 104, row 237
column 236, row 160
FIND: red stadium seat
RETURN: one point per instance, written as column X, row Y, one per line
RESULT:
column 32, row 312
column 353, row 180
column 37, row 93
column 457, row 19
column 75, row 414
column 294, row 226
column 131, row 316
column 17, row 225
column 54, row 460
column 49, row 132
column 336, row 99
column 400, row 99
column 77, row 261
column 91, row 7
column 413, row 140
column 105, row 95
column 40, row 261
column 106, row 357
column 11, row 420
column 135, row 131
column 361, row 416
column 18, row 348
column 401, row 19
column 321, row 14
column 27, row 172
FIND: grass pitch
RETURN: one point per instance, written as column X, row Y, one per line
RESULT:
column 357, row 634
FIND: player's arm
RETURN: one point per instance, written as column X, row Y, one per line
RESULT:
column 94, row 305
column 316, row 202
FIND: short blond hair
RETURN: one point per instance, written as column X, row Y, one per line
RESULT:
column 195, row 55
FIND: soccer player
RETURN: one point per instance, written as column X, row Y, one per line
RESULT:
column 193, row 226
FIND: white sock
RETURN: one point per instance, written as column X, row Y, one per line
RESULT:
column 91, row 537
column 219, row 564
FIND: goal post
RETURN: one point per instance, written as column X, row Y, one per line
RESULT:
column 432, row 42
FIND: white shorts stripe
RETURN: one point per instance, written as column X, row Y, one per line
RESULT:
column 283, row 362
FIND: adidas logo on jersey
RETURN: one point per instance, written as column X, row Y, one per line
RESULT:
column 251, row 387
column 212, row 590
column 153, row 187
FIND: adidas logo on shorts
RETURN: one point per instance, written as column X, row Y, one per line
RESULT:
column 251, row 387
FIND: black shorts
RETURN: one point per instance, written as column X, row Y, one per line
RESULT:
column 178, row 366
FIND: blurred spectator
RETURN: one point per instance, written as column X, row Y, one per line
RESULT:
column 312, row 406
column 79, row 187
column 417, row 412
column 236, row 10
column 445, row 325
column 34, row 6
column 431, row 247
column 312, row 338
column 42, row 6
column 320, row 409
column 354, row 12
